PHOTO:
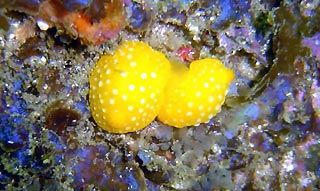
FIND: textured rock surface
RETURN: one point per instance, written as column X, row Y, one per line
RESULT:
column 266, row 136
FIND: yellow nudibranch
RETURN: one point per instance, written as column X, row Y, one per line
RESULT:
column 130, row 88
column 196, row 94
column 126, row 89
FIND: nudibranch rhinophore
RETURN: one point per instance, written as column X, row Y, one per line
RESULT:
column 136, row 84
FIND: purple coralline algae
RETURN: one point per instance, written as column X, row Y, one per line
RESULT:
column 314, row 44
column 266, row 136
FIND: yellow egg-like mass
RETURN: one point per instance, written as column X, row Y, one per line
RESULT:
column 196, row 93
column 136, row 84
column 126, row 89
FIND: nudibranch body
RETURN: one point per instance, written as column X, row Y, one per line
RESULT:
column 126, row 89
column 129, row 89
column 197, row 94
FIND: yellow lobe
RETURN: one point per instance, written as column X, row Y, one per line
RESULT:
column 126, row 89
column 197, row 94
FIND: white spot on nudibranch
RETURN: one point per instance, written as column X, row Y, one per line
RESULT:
column 130, row 107
column 143, row 76
column 100, row 83
column 142, row 88
column 153, row 75
column 131, row 87
column 115, row 91
column 112, row 101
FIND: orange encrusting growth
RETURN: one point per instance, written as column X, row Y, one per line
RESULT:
column 126, row 89
column 129, row 89
column 197, row 94
column 81, row 23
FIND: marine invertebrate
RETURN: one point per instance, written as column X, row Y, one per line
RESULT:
column 196, row 94
column 186, row 53
column 130, row 88
column 126, row 89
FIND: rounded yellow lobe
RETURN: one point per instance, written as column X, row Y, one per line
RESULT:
column 126, row 89
column 196, row 94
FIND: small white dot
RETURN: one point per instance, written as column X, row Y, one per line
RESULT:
column 103, row 110
column 220, row 97
column 129, row 56
column 217, row 108
column 130, row 49
column 218, row 86
column 153, row 75
column 206, row 84
column 100, row 83
column 107, row 81
column 142, row 88
column 189, row 113
column 115, row 91
column 190, row 104
column 152, row 95
column 108, row 71
column 124, row 97
column 198, row 93
column 42, row 25
column 200, row 107
column 143, row 76
column 112, row 101
column 127, row 127
column 133, row 64
column 202, row 114
column 131, row 87
column 124, row 74
column 95, row 79
column 101, row 101
column 130, row 107
column 212, row 79
column 133, row 118
column 121, row 53
column 140, row 110
column 179, row 110
column 142, row 101
column 211, row 99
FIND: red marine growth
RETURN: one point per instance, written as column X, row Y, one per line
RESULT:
column 93, row 22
